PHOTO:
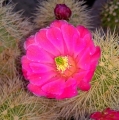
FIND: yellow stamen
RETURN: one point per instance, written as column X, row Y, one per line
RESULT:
column 65, row 66
column 62, row 63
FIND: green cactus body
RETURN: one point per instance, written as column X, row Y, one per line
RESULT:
column 45, row 13
column 110, row 15
column 13, row 27
column 16, row 103
column 11, row 110
column 106, row 80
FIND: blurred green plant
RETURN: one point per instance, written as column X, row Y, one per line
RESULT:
column 110, row 15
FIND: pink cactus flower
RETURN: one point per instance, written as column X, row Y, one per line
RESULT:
column 59, row 60
column 107, row 114
column 62, row 12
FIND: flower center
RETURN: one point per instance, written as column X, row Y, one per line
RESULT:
column 62, row 63
column 65, row 65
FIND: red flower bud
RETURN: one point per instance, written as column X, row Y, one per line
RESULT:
column 107, row 114
column 62, row 12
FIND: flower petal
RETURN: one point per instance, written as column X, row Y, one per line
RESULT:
column 29, row 41
column 116, row 115
column 58, row 23
column 69, row 33
column 25, row 73
column 80, row 75
column 37, row 54
column 71, row 82
column 82, row 81
column 108, row 111
column 25, row 66
column 82, row 44
column 54, row 35
column 55, row 87
column 79, row 47
column 40, row 68
column 84, row 86
column 87, row 60
column 36, row 90
column 25, row 63
column 41, row 78
column 97, row 54
column 96, row 115
column 89, row 75
column 84, row 60
column 83, row 31
column 70, row 89
column 44, row 43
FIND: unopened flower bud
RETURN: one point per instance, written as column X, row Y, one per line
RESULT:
column 62, row 12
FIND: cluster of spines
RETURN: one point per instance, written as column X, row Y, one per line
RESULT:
column 13, row 27
column 18, row 104
column 45, row 13
column 110, row 15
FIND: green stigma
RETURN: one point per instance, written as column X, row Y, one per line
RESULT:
column 59, row 60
